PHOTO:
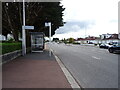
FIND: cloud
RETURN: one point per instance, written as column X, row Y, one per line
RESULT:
column 114, row 21
column 90, row 9
column 75, row 26
column 89, row 17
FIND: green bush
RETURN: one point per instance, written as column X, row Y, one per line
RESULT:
column 76, row 43
column 95, row 44
column 11, row 40
column 9, row 47
column 71, row 40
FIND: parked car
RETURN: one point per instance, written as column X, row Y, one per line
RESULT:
column 103, row 45
column 114, row 48
column 90, row 42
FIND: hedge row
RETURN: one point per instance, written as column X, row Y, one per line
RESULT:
column 9, row 47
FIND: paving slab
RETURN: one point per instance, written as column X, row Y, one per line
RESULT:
column 34, row 70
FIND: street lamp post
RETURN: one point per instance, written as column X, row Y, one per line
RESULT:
column 85, row 31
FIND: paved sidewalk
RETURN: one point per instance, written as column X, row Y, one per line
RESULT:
column 35, row 70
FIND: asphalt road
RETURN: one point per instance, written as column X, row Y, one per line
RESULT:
column 92, row 67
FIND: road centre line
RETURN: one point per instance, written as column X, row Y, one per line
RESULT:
column 95, row 57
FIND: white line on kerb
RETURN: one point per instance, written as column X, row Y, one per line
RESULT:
column 69, row 77
column 95, row 57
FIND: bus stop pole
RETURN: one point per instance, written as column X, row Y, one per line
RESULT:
column 23, row 32
column 49, row 38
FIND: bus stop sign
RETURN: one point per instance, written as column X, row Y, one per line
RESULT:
column 28, row 27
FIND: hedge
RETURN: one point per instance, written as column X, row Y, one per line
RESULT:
column 76, row 43
column 9, row 47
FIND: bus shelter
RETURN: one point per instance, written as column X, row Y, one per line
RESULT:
column 37, row 41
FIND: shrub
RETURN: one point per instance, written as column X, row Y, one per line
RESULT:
column 95, row 44
column 76, row 43
column 71, row 40
column 11, row 40
column 9, row 47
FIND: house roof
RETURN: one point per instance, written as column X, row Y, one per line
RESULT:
column 89, row 38
column 113, row 36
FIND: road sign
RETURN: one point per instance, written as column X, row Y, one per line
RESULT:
column 48, row 24
column 28, row 27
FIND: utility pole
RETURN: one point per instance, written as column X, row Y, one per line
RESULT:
column 50, row 37
column 85, row 31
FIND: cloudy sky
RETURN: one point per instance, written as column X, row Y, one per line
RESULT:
column 88, row 17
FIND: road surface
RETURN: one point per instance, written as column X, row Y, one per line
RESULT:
column 92, row 67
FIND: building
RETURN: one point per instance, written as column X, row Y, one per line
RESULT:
column 108, row 38
column 89, row 40
column 2, row 37
column 104, row 38
column 119, row 36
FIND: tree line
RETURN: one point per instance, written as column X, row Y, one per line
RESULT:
column 37, row 13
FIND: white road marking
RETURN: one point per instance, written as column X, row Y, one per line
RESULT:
column 95, row 57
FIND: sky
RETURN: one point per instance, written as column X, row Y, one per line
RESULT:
column 88, row 17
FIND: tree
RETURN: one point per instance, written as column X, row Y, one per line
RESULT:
column 11, row 19
column 55, row 39
column 71, row 40
column 37, row 13
column 64, row 40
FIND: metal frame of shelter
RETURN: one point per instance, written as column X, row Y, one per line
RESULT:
column 37, row 41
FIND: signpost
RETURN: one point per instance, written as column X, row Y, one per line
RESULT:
column 24, row 38
column 23, row 31
column 28, row 27
column 49, row 24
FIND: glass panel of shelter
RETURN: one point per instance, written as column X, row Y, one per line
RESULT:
column 37, row 42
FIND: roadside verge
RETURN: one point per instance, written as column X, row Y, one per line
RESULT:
column 67, row 74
